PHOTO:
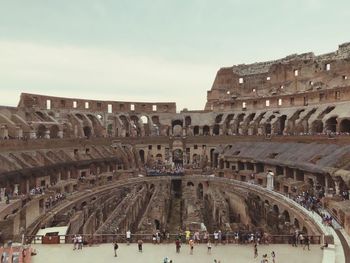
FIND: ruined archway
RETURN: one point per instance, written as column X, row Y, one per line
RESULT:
column 54, row 131
column 41, row 131
column 317, row 126
column 331, row 124
column 87, row 131
column 344, row 126
column 206, row 130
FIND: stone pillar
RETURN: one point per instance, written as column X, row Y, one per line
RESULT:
column 326, row 184
column 337, row 189
column 2, row 194
column 32, row 135
column 60, row 134
column 27, row 186
column 15, row 189
column 200, row 131
column 269, row 183
column 47, row 134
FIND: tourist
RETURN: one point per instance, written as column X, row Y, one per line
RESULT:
column 307, row 243
column 75, row 242
column 115, row 248
column 255, row 250
column 216, row 237
column 128, row 237
column 209, row 247
column 191, row 243
column 178, row 245
column 187, row 234
column 80, row 242
column 139, row 244
column 273, row 255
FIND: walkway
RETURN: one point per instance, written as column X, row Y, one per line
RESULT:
column 156, row 253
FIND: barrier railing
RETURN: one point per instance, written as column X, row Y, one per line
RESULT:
column 148, row 238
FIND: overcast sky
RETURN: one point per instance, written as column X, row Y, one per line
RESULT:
column 156, row 50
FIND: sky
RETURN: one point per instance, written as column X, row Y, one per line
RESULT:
column 156, row 50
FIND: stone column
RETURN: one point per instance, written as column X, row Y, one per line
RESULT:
column 15, row 189
column 2, row 194
column 269, row 183
column 337, row 185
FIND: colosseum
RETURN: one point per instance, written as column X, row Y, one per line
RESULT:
column 268, row 156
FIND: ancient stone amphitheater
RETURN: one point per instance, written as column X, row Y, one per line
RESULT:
column 270, row 133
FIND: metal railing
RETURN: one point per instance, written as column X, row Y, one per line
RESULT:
column 227, row 238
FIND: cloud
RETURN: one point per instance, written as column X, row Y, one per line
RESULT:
column 101, row 73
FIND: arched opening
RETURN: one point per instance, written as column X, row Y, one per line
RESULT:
column 196, row 130
column 54, row 131
column 286, row 216
column 177, row 127
column 304, row 231
column 218, row 118
column 206, row 130
column 216, row 129
column 159, row 157
column 144, row 119
column 317, row 126
column 188, row 121
column 110, row 129
column 157, row 224
column 275, row 209
column 200, row 191
column 87, row 131
column 268, row 128
column 344, row 126
column 331, row 124
column 41, row 131
column 282, row 124
column 190, row 184
column 142, row 156
column 178, row 157
column 155, row 120
column 296, row 223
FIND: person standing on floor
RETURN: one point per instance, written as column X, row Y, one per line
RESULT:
column 115, row 248
column 139, row 244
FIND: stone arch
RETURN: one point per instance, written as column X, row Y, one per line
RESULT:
column 188, row 121
column 191, row 184
column 268, row 128
column 344, row 125
column 218, row 118
column 281, row 124
column 216, row 129
column 144, row 119
column 296, row 223
column 41, row 131
column 159, row 157
column 200, row 191
column 206, row 130
column 110, row 129
column 87, row 131
column 286, row 216
column 54, row 130
column 331, row 124
column 317, row 126
column 196, row 130
column 275, row 209
column 142, row 156
column 304, row 230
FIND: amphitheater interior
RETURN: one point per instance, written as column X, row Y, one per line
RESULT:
column 270, row 134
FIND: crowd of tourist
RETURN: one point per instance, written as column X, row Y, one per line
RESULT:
column 159, row 169
column 37, row 191
column 53, row 200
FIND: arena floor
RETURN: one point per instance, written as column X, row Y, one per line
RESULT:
column 156, row 253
